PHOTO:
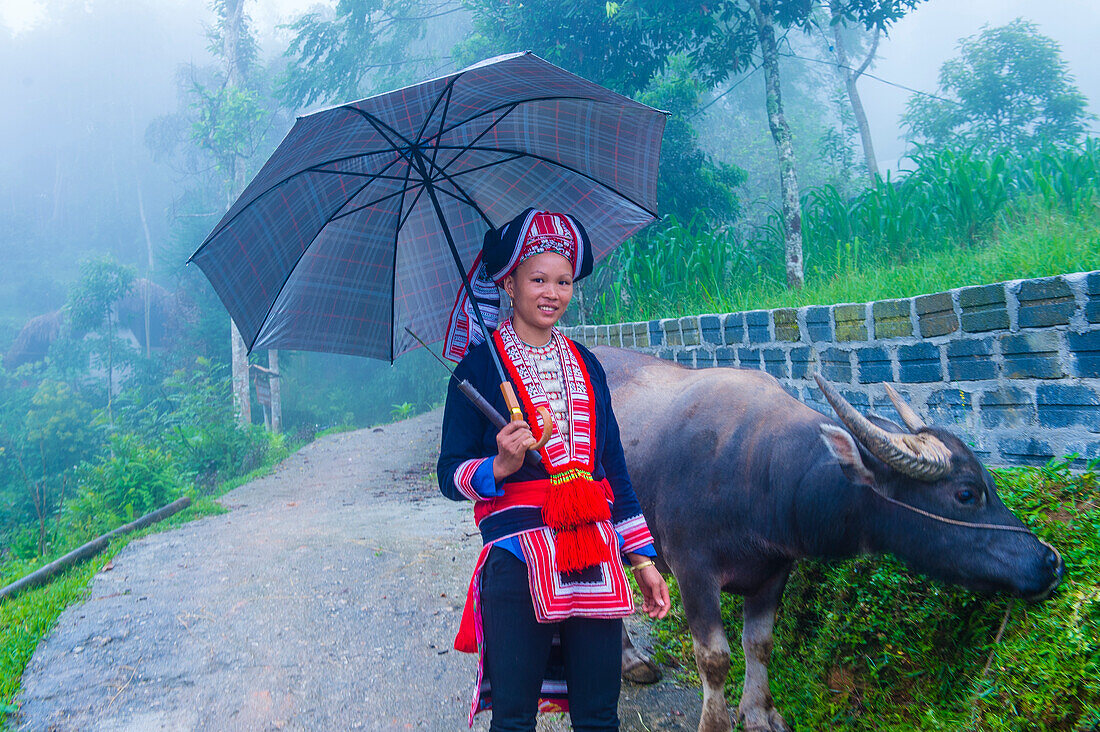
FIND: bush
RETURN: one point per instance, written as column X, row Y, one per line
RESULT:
column 133, row 479
column 865, row 645
column 194, row 417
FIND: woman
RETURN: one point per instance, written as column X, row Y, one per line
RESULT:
column 549, row 590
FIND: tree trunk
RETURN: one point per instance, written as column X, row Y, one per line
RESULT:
column 781, row 134
column 851, row 76
column 276, row 391
column 242, row 399
column 234, row 75
column 93, row 547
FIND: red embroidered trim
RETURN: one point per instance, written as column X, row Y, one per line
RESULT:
column 530, row 393
column 464, row 476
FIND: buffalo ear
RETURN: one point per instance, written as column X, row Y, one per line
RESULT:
column 843, row 447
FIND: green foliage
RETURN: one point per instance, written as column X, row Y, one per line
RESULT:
column 401, row 411
column 228, row 123
column 690, row 183
column 103, row 282
column 664, row 267
column 132, row 479
column 622, row 47
column 194, row 417
column 864, row 645
column 658, row 52
column 1008, row 90
column 44, row 433
column 359, row 47
column 27, row 618
column 952, row 195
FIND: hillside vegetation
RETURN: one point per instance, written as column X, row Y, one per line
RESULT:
column 958, row 218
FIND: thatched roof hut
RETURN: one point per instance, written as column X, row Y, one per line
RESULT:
column 164, row 309
column 165, row 315
column 33, row 342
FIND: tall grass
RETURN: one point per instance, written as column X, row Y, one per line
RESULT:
column 958, row 217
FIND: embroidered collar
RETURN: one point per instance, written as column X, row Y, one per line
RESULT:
column 558, row 454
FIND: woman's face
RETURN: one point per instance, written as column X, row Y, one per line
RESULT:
column 540, row 288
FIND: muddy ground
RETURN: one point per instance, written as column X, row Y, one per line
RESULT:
column 325, row 599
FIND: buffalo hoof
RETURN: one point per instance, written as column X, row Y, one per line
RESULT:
column 763, row 720
column 638, row 669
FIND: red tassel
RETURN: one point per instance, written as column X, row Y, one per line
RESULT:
column 575, row 503
column 580, row 547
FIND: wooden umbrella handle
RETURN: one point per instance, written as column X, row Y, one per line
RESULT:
column 516, row 414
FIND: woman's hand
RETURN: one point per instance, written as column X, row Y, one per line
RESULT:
column 654, row 591
column 512, row 443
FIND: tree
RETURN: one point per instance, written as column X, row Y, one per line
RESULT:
column 765, row 18
column 1008, row 89
column 851, row 75
column 662, row 53
column 231, row 123
column 103, row 282
column 359, row 47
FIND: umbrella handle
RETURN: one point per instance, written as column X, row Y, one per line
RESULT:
column 517, row 414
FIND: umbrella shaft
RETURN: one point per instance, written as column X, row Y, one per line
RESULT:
column 458, row 263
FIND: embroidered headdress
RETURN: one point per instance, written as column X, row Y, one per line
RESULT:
column 532, row 232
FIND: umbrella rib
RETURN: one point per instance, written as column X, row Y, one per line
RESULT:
column 379, row 124
column 555, row 163
column 516, row 103
column 357, row 209
column 480, row 135
column 466, row 198
column 393, row 265
column 442, row 121
column 290, row 271
column 372, row 176
column 446, row 92
column 289, row 178
column 412, row 206
column 483, row 167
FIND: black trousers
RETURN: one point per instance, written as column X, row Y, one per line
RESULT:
column 517, row 648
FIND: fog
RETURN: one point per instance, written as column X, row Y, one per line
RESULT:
column 84, row 79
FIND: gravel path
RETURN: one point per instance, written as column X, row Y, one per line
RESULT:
column 325, row 599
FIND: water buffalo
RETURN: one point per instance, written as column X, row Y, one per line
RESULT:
column 738, row 480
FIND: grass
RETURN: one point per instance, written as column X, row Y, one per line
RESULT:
column 29, row 616
column 1034, row 242
column 865, row 645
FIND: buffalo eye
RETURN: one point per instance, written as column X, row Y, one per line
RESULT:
column 965, row 496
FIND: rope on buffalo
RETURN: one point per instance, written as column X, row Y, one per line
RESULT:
column 953, row 522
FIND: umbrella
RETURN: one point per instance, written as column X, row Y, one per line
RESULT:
column 360, row 227
column 366, row 216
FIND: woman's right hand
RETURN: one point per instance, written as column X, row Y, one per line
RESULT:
column 512, row 443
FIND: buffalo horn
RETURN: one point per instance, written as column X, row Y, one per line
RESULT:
column 922, row 456
column 908, row 415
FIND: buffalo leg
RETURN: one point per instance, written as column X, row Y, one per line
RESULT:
column 637, row 668
column 712, row 650
column 757, row 710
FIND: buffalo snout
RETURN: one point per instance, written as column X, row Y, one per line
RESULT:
column 1053, row 569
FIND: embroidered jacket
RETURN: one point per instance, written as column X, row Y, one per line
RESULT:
column 469, row 442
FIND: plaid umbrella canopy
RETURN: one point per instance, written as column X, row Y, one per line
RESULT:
column 365, row 219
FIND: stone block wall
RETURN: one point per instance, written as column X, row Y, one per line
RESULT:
column 1013, row 367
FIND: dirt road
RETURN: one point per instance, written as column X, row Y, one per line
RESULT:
column 325, row 599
